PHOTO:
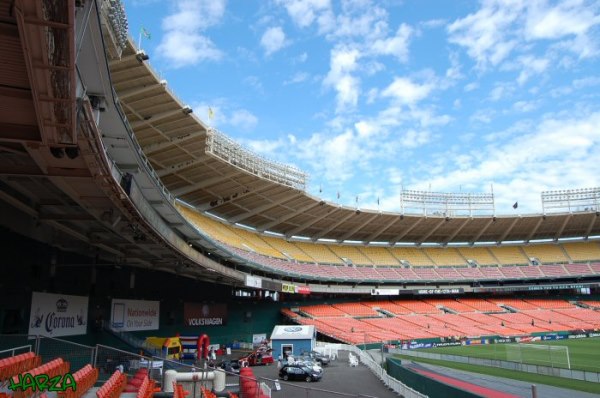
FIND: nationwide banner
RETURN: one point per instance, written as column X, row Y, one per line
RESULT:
column 55, row 315
column 196, row 314
column 130, row 315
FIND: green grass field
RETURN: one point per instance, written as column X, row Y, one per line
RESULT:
column 513, row 374
column 584, row 354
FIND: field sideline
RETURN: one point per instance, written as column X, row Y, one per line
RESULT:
column 584, row 353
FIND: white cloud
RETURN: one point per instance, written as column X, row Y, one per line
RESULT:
column 566, row 18
column 531, row 66
column 367, row 22
column 273, row 40
column 302, row 57
column 501, row 90
column 396, row 46
column 254, row 82
column 224, row 114
column 406, row 92
column 243, row 119
column 471, row 86
column 183, row 42
column 298, row 77
column 305, row 12
column 554, row 154
column 526, row 106
column 342, row 63
column 485, row 33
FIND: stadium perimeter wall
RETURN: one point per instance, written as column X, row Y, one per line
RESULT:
column 521, row 367
column 425, row 385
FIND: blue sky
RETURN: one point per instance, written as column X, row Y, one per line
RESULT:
column 369, row 97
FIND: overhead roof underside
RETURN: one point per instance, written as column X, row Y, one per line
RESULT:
column 175, row 144
column 52, row 186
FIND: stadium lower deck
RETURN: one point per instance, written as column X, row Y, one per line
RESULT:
column 402, row 320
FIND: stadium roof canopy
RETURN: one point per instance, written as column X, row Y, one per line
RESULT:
column 207, row 170
column 56, row 183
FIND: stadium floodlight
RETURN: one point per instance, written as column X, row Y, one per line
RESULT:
column 582, row 199
column 226, row 149
column 142, row 56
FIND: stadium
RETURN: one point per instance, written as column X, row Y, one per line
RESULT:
column 117, row 199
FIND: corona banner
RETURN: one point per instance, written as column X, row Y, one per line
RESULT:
column 55, row 315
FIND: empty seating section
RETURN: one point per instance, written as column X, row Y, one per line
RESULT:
column 549, row 304
column 591, row 303
column 53, row 368
column 140, row 384
column 85, row 378
column 389, row 307
column 17, row 364
column 511, row 272
column 482, row 255
column 322, row 310
column 289, row 313
column 509, row 255
column 113, row 387
column 147, row 388
column 445, row 256
column 491, row 272
column 517, row 304
column 547, row 254
column 380, row 255
column 178, row 391
column 213, row 228
column 470, row 273
column 448, row 273
column 384, row 263
column 530, row 272
column 255, row 242
column 378, row 273
column 555, row 270
column 582, row 251
column 480, row 305
column 578, row 269
column 577, row 313
column 416, row 319
column 320, row 253
column 418, row 307
column 249, row 385
column 451, row 304
column 356, row 309
column 288, row 248
column 352, row 253
column 416, row 257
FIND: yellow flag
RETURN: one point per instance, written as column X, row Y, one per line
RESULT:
column 211, row 114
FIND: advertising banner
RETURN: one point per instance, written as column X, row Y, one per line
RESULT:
column 196, row 314
column 288, row 288
column 303, row 289
column 385, row 292
column 55, row 315
column 129, row 315
column 253, row 281
column 257, row 339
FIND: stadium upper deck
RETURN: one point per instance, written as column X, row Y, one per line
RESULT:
column 94, row 150
column 209, row 171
